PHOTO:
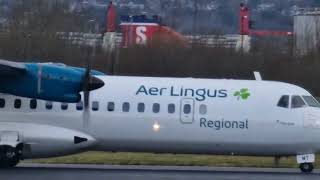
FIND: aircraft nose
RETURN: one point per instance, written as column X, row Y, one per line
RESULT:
column 95, row 83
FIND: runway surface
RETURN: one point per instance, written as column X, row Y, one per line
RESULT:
column 107, row 172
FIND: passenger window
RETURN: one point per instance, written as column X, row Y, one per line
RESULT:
column 2, row 103
column 49, row 105
column 284, row 101
column 33, row 104
column 297, row 102
column 95, row 106
column 187, row 109
column 171, row 108
column 126, row 107
column 79, row 106
column 203, row 109
column 111, row 106
column 156, row 108
column 17, row 103
column 141, row 107
column 64, row 106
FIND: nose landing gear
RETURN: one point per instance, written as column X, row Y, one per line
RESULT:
column 306, row 167
column 306, row 162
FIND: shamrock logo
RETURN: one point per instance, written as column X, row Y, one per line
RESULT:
column 242, row 94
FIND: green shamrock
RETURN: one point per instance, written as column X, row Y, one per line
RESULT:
column 243, row 94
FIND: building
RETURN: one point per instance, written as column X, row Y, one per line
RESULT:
column 307, row 31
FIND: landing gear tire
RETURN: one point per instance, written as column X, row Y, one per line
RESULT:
column 9, row 157
column 306, row 167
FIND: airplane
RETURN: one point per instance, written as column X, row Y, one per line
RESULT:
column 42, row 115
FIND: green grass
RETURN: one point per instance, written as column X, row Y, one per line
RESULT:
column 167, row 160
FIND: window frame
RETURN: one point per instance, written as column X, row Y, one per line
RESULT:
column 288, row 101
column 2, row 103
column 156, row 108
column 311, row 104
column 111, row 106
column 33, row 104
column 126, row 107
column 299, row 97
column 171, row 110
column 17, row 103
column 141, row 107
column 188, row 110
column 49, row 105
column 203, row 109
column 95, row 105
column 80, row 106
column 64, row 106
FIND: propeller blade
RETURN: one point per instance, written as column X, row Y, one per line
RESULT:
column 86, row 84
column 86, row 93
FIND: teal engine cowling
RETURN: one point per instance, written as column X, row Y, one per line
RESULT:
column 48, row 81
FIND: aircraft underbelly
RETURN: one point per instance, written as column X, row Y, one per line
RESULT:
column 136, row 134
column 203, row 148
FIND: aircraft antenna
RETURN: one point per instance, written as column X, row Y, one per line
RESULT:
column 257, row 76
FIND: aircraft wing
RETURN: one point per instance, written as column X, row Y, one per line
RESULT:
column 11, row 69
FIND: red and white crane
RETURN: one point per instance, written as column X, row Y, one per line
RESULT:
column 244, row 25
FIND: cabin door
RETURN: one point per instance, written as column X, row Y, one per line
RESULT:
column 187, row 111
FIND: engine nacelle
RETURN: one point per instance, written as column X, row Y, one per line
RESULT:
column 43, row 141
column 47, row 81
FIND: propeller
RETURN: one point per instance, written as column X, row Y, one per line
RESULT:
column 89, row 82
column 87, row 79
column 86, row 93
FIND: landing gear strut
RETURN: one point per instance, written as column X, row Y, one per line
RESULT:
column 9, row 156
column 306, row 167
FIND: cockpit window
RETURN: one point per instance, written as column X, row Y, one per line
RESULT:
column 284, row 101
column 311, row 101
column 297, row 102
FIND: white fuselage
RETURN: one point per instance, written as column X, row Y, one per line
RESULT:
column 171, row 115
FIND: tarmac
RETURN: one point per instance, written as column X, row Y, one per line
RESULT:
column 118, row 172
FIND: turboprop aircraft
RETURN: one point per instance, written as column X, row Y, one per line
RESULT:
column 43, row 116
